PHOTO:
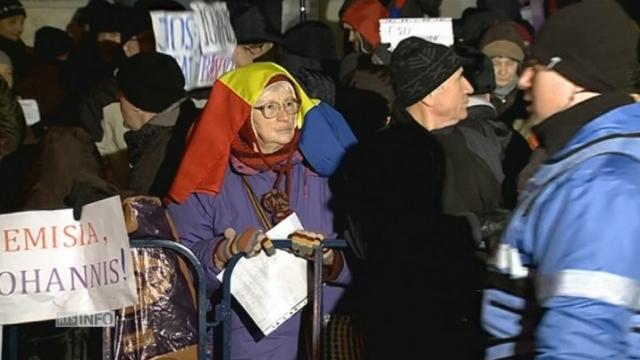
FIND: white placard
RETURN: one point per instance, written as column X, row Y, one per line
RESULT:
column 271, row 289
column 202, row 41
column 437, row 30
column 30, row 110
column 51, row 264
column 214, row 26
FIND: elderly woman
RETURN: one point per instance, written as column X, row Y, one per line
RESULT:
column 249, row 163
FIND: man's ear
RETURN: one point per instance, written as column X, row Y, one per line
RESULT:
column 264, row 48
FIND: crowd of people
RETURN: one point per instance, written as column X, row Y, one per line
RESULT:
column 487, row 190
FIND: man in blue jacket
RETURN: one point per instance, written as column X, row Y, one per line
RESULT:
column 565, row 281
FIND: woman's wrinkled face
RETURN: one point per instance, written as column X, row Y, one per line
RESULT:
column 12, row 27
column 274, row 117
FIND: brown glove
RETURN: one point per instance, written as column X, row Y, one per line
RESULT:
column 305, row 243
column 251, row 242
column 130, row 212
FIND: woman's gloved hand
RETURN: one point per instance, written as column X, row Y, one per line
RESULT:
column 305, row 243
column 250, row 242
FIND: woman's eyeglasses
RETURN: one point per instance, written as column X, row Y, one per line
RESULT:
column 271, row 109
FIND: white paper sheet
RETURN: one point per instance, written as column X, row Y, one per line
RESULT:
column 271, row 289
column 30, row 110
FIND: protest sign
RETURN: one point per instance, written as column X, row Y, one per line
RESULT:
column 437, row 30
column 214, row 26
column 52, row 265
column 202, row 41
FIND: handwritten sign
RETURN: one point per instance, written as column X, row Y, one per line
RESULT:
column 214, row 24
column 202, row 41
column 52, row 264
column 437, row 30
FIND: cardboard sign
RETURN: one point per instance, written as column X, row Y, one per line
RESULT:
column 202, row 41
column 54, row 265
column 437, row 30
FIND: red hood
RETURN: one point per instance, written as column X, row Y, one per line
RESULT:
column 364, row 16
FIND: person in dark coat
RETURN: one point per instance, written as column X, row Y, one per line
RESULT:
column 411, row 247
column 96, row 56
column 257, row 39
column 365, row 67
column 504, row 45
column 12, row 123
column 43, row 83
column 155, row 108
column 503, row 151
column 12, row 16
column 313, row 63
column 364, row 95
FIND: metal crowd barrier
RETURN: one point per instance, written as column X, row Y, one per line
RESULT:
column 223, row 310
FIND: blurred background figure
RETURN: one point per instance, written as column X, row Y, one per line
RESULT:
column 12, row 17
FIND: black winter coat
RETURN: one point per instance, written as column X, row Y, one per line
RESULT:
column 420, row 271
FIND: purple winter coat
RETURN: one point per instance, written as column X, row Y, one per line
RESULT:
column 202, row 219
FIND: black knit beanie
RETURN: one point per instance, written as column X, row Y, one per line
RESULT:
column 151, row 81
column 9, row 8
column 595, row 43
column 418, row 67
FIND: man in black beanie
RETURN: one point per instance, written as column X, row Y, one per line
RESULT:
column 574, row 236
column 398, row 220
column 428, row 83
column 155, row 108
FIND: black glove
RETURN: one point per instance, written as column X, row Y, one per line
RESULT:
column 488, row 226
column 85, row 190
column 382, row 55
column 493, row 223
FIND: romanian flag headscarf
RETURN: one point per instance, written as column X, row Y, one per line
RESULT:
column 324, row 136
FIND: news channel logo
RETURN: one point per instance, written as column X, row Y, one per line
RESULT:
column 100, row 319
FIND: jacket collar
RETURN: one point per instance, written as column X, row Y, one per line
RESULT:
column 561, row 129
column 168, row 117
